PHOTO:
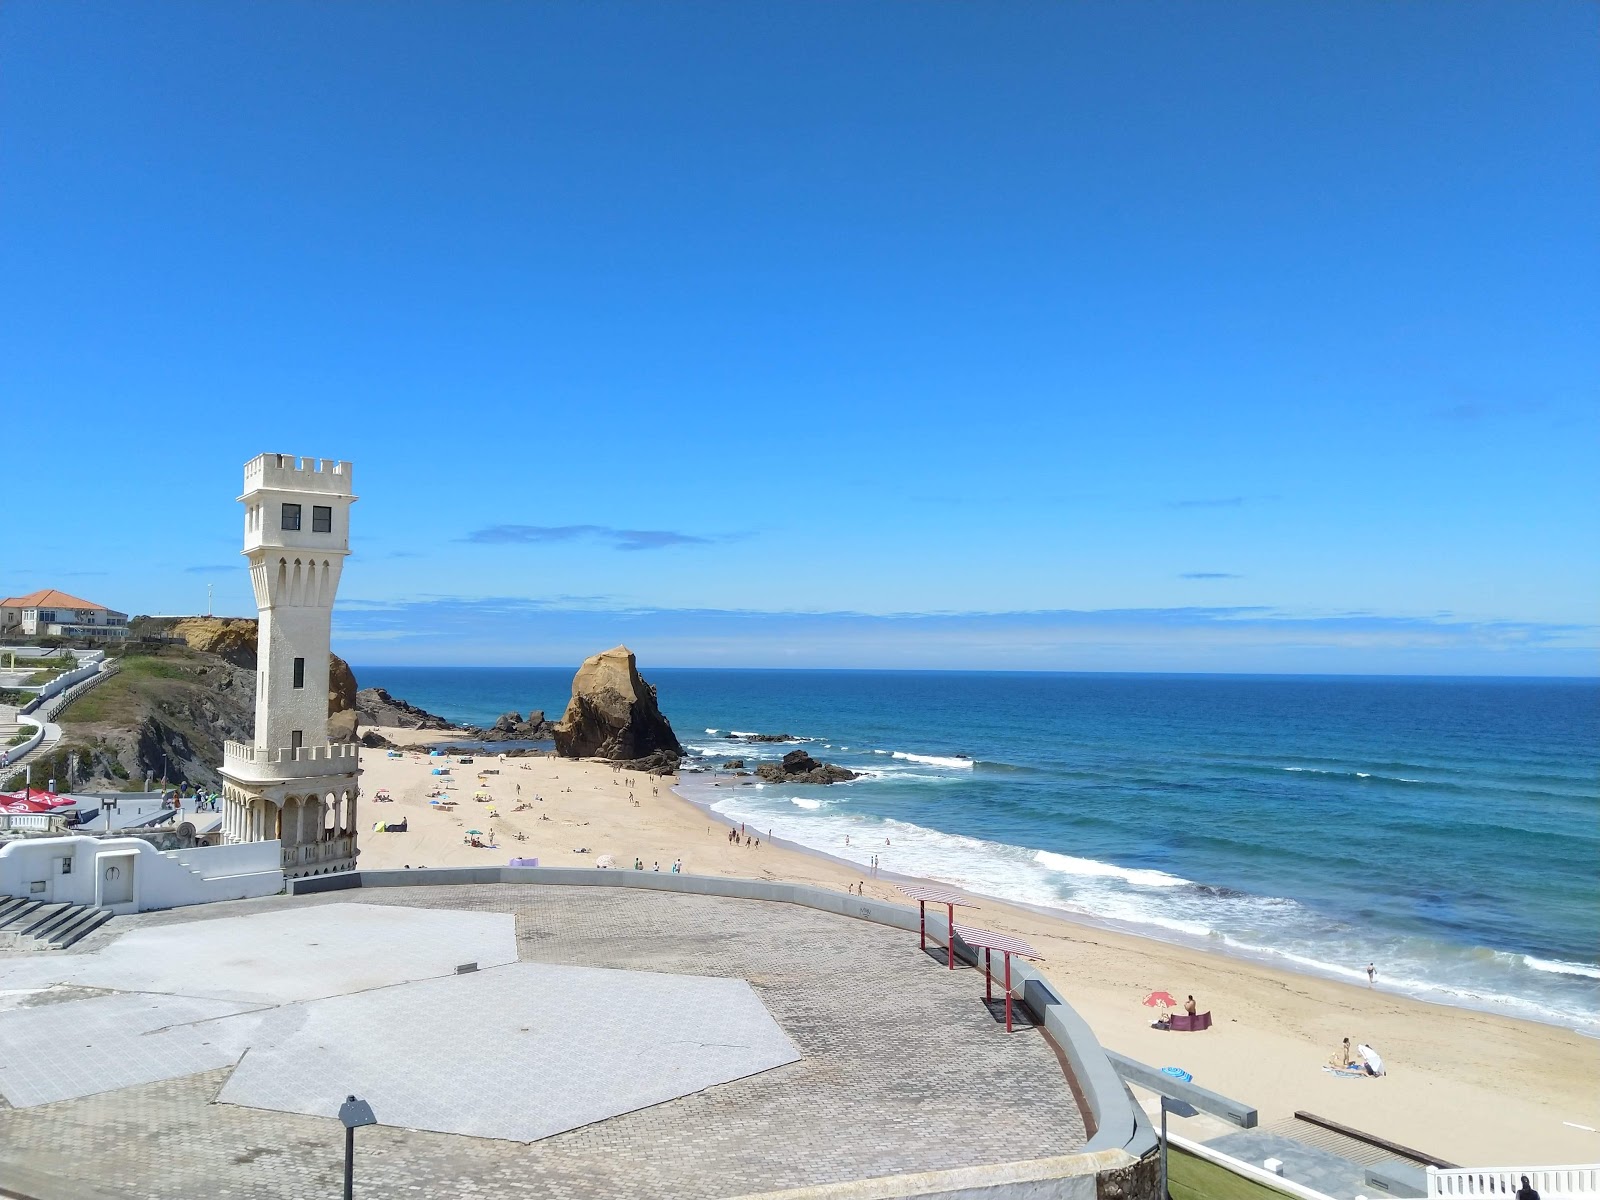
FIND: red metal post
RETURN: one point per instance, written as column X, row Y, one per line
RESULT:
column 951, row 940
column 988, row 975
column 1008, row 991
column 922, row 908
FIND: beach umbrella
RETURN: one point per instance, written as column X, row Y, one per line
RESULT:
column 605, row 860
column 1372, row 1059
column 476, row 832
column 1160, row 1000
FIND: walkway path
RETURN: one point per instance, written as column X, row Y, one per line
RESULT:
column 49, row 709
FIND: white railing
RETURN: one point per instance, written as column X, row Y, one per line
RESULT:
column 1552, row 1183
column 33, row 822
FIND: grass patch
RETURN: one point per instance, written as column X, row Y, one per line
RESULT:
column 20, row 736
column 124, row 699
column 1191, row 1178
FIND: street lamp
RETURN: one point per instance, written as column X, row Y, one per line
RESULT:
column 1178, row 1108
column 356, row 1113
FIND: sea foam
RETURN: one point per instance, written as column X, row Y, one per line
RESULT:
column 934, row 760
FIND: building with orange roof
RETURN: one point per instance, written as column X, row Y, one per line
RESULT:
column 50, row 612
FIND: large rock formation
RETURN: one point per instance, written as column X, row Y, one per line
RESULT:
column 378, row 707
column 613, row 713
column 799, row 767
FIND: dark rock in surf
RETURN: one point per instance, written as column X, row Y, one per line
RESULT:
column 799, row 767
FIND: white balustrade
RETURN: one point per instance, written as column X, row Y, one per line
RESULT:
column 1502, row 1183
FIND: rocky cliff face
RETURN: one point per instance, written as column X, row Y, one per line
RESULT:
column 378, row 707
column 171, row 711
column 613, row 713
column 233, row 639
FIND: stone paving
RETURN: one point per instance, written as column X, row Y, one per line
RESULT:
column 900, row 1069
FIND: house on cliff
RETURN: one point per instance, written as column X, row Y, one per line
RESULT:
column 52, row 613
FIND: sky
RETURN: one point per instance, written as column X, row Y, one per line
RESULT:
column 1068, row 336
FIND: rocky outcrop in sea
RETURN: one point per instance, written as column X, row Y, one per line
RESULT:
column 799, row 767
column 614, row 714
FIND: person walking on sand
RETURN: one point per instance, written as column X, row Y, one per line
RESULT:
column 1372, row 975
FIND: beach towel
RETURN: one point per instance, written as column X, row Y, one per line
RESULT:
column 1347, row 1072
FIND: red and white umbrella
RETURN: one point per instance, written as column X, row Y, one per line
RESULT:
column 33, row 802
column 1160, row 1000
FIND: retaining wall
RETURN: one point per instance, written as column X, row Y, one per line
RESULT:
column 1117, row 1126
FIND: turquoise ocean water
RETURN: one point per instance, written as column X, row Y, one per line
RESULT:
column 1447, row 830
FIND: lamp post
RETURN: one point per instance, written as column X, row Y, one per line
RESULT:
column 356, row 1113
column 1178, row 1108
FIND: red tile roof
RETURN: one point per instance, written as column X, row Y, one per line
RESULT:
column 49, row 598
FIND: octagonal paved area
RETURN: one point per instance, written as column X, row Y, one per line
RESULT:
column 900, row 1068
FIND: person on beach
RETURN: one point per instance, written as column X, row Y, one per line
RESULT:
column 1189, row 1006
column 1341, row 1056
column 1372, row 974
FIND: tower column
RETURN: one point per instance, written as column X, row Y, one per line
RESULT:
column 296, row 538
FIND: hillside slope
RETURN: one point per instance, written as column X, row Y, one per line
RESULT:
column 168, row 712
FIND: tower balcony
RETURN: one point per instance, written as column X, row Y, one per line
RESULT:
column 254, row 765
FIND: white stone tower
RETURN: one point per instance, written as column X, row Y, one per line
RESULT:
column 292, row 785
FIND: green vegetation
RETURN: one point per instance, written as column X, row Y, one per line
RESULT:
column 1190, row 1178
column 119, row 699
column 15, row 697
column 20, row 736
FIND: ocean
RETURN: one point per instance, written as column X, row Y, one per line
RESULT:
column 1447, row 830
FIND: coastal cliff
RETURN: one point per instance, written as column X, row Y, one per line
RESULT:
column 171, row 707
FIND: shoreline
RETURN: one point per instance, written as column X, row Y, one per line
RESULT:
column 1422, row 993
column 1474, row 1086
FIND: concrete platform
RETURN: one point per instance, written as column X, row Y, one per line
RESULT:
column 65, row 1051
column 281, row 957
column 518, row 1052
column 862, row 1058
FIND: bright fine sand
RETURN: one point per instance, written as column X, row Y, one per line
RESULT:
column 1474, row 1088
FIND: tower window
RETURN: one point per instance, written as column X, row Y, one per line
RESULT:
column 299, row 672
column 291, row 516
column 297, row 738
column 321, row 519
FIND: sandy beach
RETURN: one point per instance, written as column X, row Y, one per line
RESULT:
column 1475, row 1088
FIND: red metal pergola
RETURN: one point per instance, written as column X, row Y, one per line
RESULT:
column 922, row 893
column 1007, row 945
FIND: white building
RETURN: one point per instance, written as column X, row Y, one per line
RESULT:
column 129, row 875
column 52, row 613
column 292, row 784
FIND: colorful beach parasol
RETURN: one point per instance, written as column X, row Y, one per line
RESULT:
column 1160, row 1000
column 476, row 832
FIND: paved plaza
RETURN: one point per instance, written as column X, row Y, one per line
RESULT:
column 610, row 1043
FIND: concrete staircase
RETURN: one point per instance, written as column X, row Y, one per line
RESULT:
column 32, row 925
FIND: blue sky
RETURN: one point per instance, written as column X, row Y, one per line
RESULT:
column 1162, row 336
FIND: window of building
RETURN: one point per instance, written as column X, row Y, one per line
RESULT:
column 291, row 516
column 299, row 672
column 321, row 519
column 297, row 738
